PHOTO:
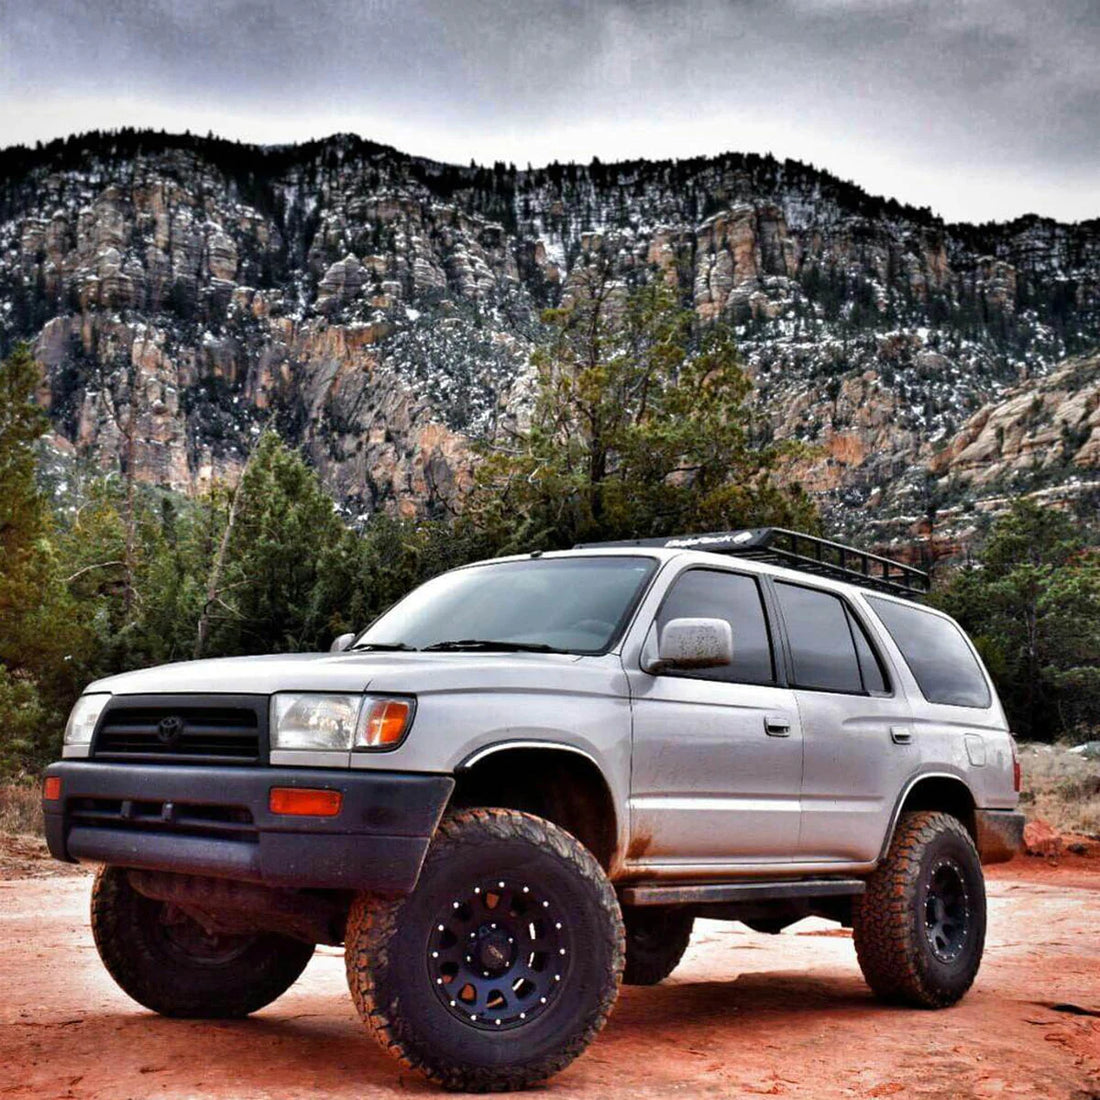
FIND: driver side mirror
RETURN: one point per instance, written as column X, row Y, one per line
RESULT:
column 341, row 643
column 690, row 644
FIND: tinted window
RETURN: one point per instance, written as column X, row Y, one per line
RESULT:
column 823, row 653
column 936, row 652
column 709, row 594
column 874, row 679
column 576, row 604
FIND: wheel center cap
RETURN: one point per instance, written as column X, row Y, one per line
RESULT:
column 494, row 952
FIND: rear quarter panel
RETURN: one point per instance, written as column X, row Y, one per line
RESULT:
column 972, row 744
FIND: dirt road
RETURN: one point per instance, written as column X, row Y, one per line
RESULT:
column 744, row 1014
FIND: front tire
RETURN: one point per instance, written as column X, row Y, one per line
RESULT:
column 501, row 966
column 167, row 962
column 919, row 930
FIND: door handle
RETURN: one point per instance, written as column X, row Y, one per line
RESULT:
column 901, row 735
column 775, row 725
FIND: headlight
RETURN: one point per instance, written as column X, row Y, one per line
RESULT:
column 83, row 719
column 338, row 723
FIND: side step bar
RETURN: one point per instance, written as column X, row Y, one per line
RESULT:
column 719, row 893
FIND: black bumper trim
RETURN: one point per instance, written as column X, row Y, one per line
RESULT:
column 377, row 842
column 999, row 834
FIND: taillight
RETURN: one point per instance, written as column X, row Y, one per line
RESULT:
column 1015, row 765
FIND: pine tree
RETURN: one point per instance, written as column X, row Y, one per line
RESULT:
column 38, row 625
column 640, row 428
column 1032, row 606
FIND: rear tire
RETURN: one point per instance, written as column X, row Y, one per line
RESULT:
column 919, row 930
column 656, row 939
column 167, row 962
column 501, row 966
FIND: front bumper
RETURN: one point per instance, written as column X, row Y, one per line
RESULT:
column 216, row 821
column 1000, row 834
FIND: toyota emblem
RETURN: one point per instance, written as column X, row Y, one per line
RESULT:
column 169, row 731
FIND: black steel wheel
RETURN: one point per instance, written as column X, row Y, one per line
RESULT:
column 501, row 966
column 498, row 954
column 919, row 930
column 168, row 962
column 946, row 910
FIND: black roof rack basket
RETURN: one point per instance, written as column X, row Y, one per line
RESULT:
column 795, row 550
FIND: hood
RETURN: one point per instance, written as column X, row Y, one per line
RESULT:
column 407, row 673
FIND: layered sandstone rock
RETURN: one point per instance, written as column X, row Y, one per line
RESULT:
column 382, row 309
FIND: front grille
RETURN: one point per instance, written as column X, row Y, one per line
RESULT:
column 184, row 732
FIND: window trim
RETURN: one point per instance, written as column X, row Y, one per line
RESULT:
column 851, row 612
column 771, row 627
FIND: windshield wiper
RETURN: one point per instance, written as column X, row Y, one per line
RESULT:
column 502, row 647
column 384, row 646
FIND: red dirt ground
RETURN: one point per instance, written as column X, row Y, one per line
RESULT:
column 745, row 1014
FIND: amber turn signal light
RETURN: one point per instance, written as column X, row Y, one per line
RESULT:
column 305, row 801
column 384, row 723
column 51, row 788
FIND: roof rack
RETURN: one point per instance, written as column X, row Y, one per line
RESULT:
column 795, row 550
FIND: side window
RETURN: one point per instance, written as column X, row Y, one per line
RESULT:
column 711, row 594
column 870, row 665
column 823, row 651
column 942, row 663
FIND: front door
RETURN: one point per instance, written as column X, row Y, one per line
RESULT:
column 717, row 753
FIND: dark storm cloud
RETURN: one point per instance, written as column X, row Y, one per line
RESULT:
column 977, row 107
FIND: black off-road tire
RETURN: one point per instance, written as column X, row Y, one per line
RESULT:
column 189, row 974
column 910, row 951
column 656, row 938
column 415, row 1011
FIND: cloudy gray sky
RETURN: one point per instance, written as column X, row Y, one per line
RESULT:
column 978, row 108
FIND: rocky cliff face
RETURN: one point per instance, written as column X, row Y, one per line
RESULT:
column 180, row 291
column 1039, row 439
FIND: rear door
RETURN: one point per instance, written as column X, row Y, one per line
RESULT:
column 857, row 725
column 717, row 753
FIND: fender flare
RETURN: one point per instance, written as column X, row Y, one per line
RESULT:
column 503, row 746
column 906, row 791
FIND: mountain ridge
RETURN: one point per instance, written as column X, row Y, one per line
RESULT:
column 180, row 291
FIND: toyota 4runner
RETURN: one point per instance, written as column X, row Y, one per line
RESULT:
column 521, row 785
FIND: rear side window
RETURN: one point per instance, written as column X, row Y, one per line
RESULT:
column 823, row 650
column 936, row 652
column 711, row 594
column 874, row 679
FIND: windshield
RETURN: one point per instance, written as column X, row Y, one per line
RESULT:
column 571, row 605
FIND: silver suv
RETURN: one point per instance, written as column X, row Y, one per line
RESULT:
column 521, row 784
